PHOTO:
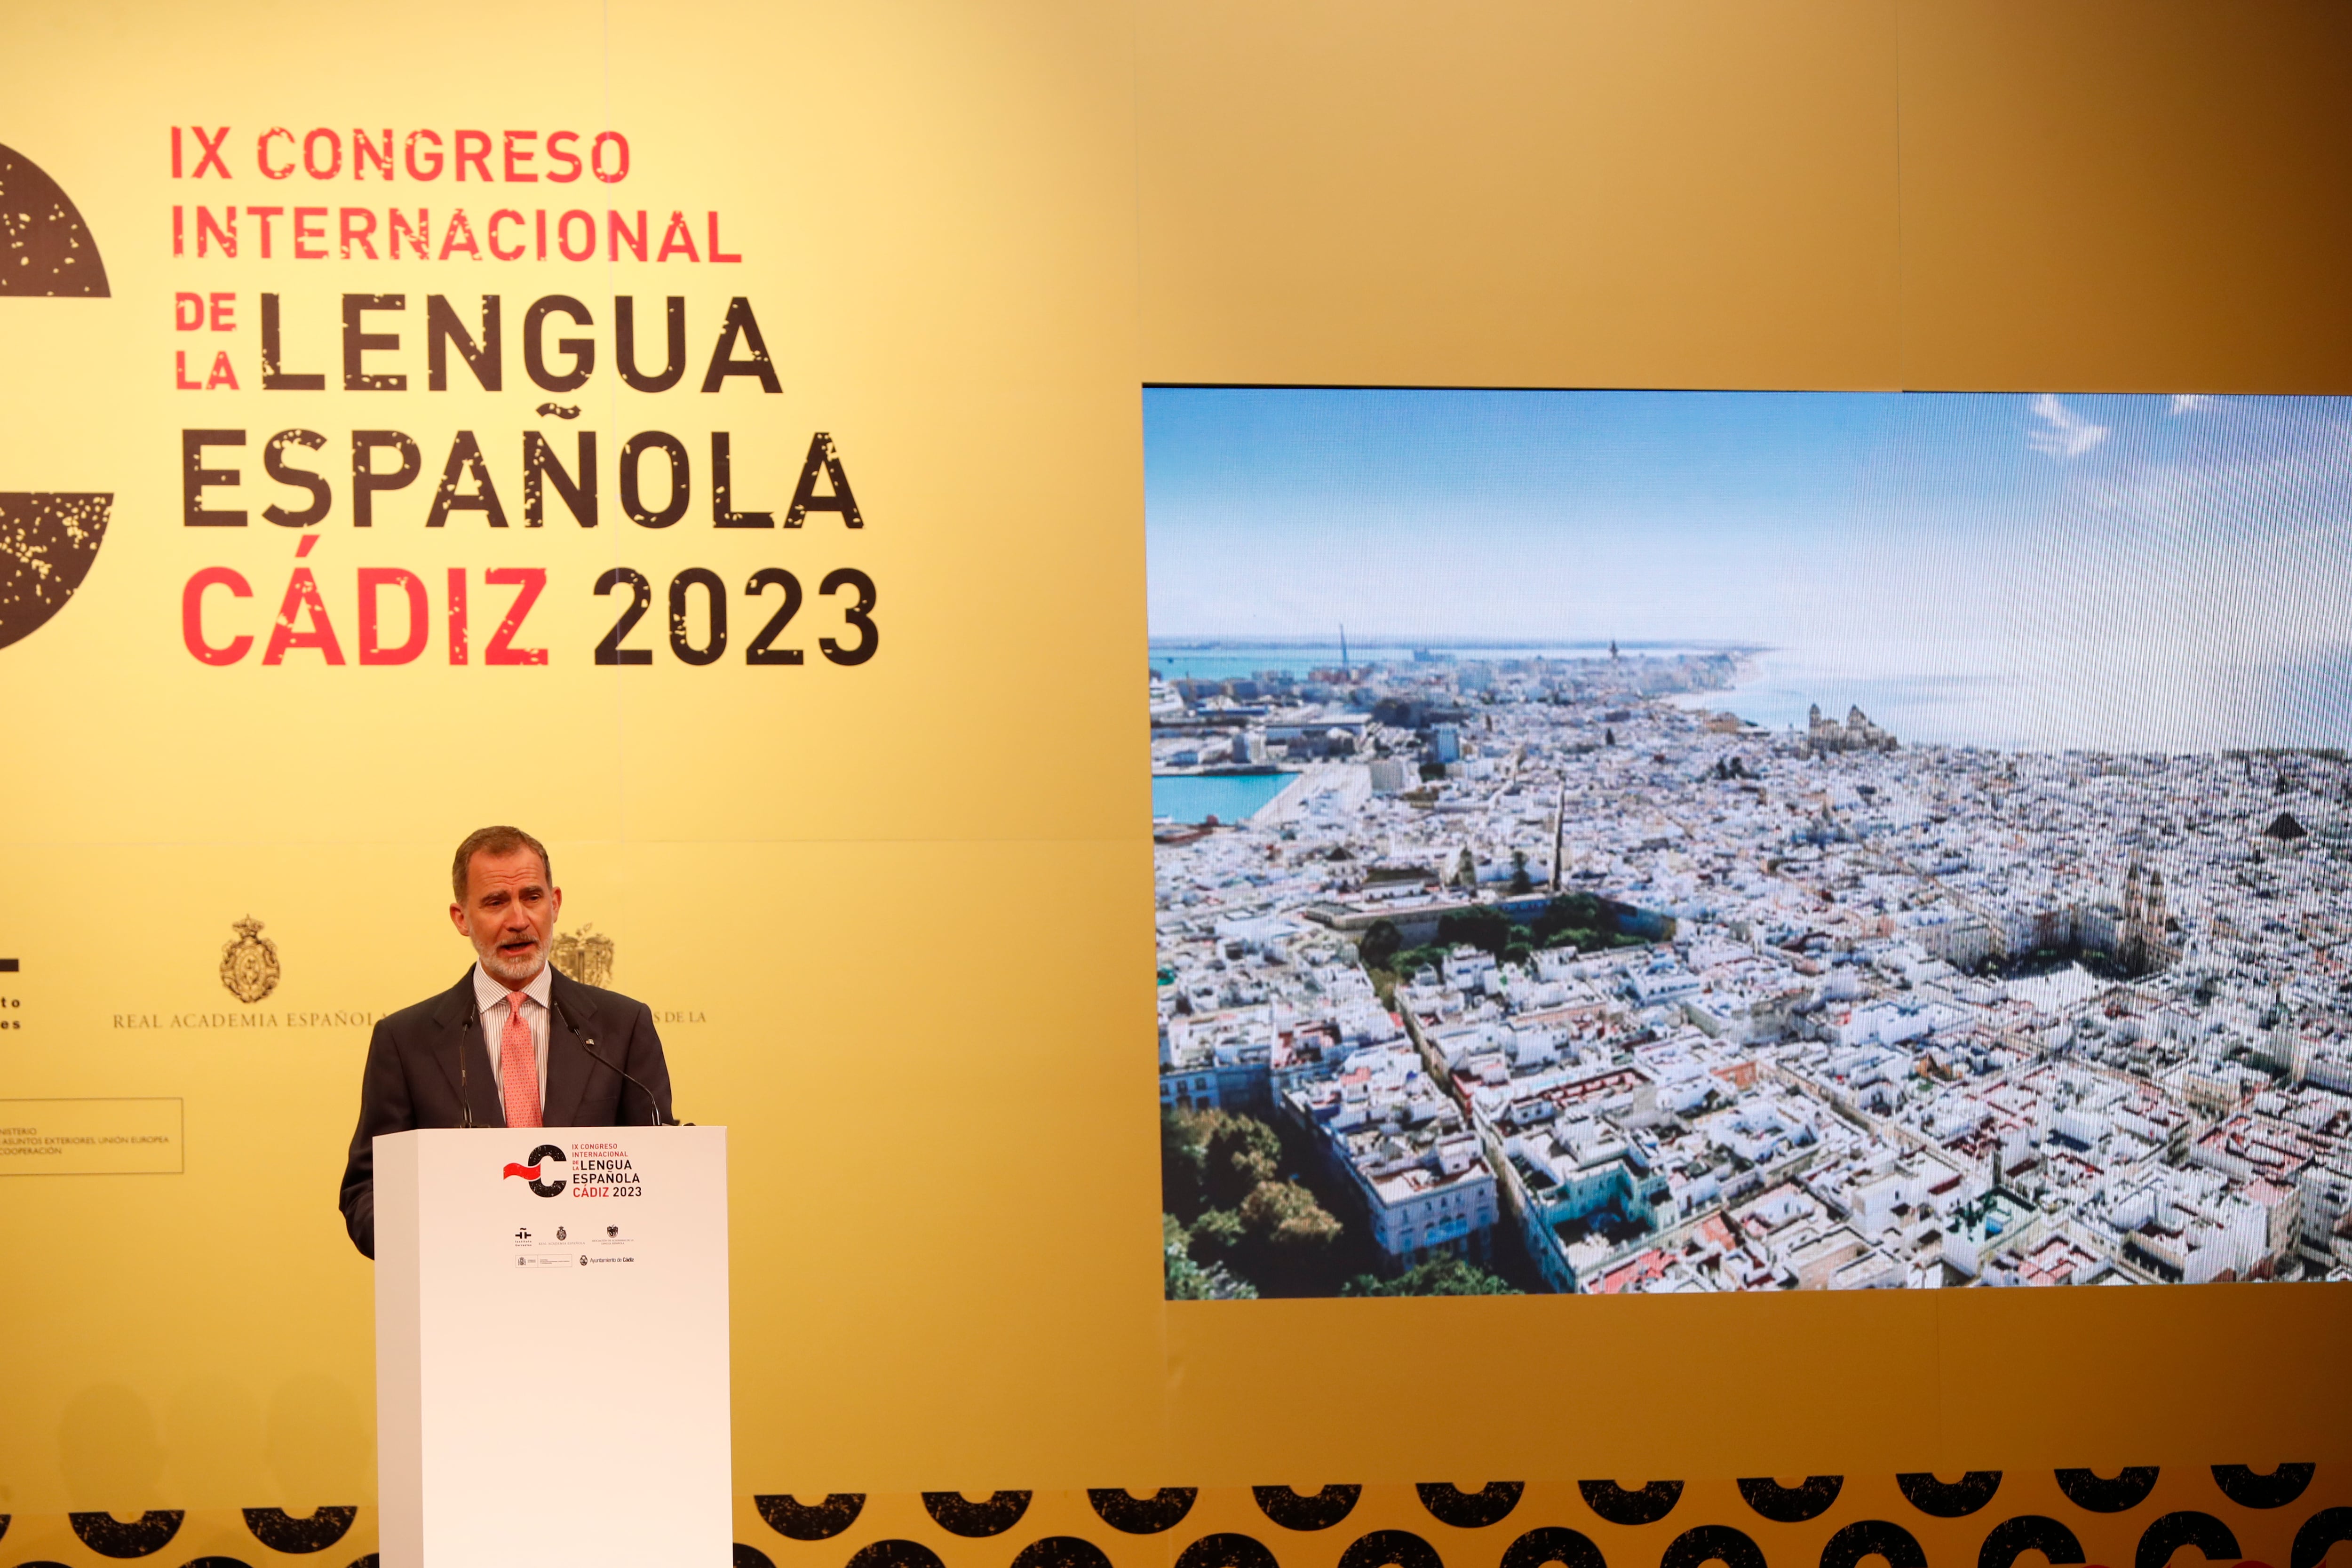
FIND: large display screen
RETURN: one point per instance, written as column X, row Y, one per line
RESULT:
column 1620, row 842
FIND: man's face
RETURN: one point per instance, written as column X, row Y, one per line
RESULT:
column 508, row 914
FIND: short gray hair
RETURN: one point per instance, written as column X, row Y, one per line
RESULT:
column 495, row 841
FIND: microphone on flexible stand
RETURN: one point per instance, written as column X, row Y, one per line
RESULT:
column 587, row 1043
column 464, row 1100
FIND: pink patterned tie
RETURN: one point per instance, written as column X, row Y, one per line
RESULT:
column 518, row 1066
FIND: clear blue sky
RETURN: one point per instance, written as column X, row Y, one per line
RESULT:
column 1919, row 533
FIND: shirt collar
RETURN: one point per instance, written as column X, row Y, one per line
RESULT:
column 488, row 993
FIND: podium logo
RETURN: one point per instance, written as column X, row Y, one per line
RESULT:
column 542, row 1181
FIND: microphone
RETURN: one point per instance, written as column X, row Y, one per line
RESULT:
column 588, row 1043
column 464, row 1100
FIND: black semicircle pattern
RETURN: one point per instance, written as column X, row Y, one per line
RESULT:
column 143, row 1537
column 1554, row 1544
column 1389, row 1549
column 2168, row 1534
column 1873, row 1538
column 2119, row 1493
column 992, row 1515
column 2249, row 1489
column 1490, row 1504
column 2321, row 1530
column 1791, row 1505
column 797, row 1521
column 1132, row 1515
column 1948, row 1499
column 894, row 1552
column 47, row 541
column 281, row 1531
column 46, row 249
column 1226, row 1549
column 1320, row 1511
column 1713, row 1544
column 1625, row 1505
column 2028, row 1532
column 1062, row 1552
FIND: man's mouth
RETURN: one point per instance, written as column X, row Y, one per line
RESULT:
column 518, row 949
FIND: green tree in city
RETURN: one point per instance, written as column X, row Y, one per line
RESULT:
column 1216, row 1236
column 1418, row 958
column 1286, row 1237
column 1211, row 1159
column 1483, row 926
column 1242, row 1153
column 1572, row 920
column 1520, row 882
column 1187, row 1280
column 1183, row 1159
column 1438, row 1277
column 1286, row 1215
column 1380, row 945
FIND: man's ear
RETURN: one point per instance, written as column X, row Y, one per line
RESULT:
column 457, row 919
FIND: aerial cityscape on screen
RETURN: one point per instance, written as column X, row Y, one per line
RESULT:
column 1749, row 842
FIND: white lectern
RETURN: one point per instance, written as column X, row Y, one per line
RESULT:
column 551, row 1348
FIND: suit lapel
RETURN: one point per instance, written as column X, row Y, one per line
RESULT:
column 473, row 1083
column 568, row 1066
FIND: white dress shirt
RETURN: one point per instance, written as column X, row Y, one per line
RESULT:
column 490, row 997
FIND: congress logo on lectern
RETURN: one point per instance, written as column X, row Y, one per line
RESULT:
column 248, row 966
column 48, row 538
column 534, row 1171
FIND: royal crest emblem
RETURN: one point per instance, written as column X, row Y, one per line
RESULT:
column 250, row 964
column 584, row 956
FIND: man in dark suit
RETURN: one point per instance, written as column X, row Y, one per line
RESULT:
column 512, row 1044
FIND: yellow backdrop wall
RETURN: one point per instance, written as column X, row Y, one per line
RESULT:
column 896, row 914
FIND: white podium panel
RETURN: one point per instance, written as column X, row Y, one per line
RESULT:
column 550, row 1327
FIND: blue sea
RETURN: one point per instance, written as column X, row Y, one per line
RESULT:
column 1196, row 797
column 1204, row 658
column 2099, row 698
column 2085, row 690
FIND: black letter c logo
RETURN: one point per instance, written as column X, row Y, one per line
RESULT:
column 545, row 1151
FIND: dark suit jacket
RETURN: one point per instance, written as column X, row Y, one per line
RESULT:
column 413, row 1077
